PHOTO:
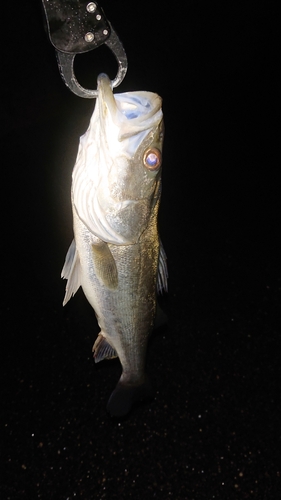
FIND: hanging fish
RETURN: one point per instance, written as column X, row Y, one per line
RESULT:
column 116, row 255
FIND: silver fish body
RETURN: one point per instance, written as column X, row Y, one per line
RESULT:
column 117, row 256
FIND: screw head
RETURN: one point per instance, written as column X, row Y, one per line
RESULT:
column 91, row 7
column 89, row 37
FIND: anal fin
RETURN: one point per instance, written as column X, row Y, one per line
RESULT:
column 102, row 349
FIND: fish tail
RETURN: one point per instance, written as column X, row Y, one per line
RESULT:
column 125, row 396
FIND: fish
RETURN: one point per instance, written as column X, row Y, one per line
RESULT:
column 117, row 256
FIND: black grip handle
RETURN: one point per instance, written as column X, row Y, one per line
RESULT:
column 75, row 26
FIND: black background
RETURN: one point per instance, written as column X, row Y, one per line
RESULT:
column 213, row 429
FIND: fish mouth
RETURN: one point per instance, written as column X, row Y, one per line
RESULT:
column 131, row 112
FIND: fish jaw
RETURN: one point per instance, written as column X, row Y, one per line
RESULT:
column 112, row 190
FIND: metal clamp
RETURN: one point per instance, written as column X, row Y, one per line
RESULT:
column 77, row 26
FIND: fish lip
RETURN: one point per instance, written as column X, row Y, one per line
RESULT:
column 105, row 95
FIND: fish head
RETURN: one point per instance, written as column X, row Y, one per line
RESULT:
column 117, row 176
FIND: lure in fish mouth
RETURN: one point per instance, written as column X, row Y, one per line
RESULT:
column 116, row 255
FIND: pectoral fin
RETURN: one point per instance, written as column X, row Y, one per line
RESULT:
column 105, row 265
column 71, row 272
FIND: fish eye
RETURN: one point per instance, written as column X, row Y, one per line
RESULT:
column 152, row 158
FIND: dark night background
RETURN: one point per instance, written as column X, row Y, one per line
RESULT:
column 213, row 428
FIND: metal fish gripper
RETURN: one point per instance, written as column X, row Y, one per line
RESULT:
column 78, row 26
